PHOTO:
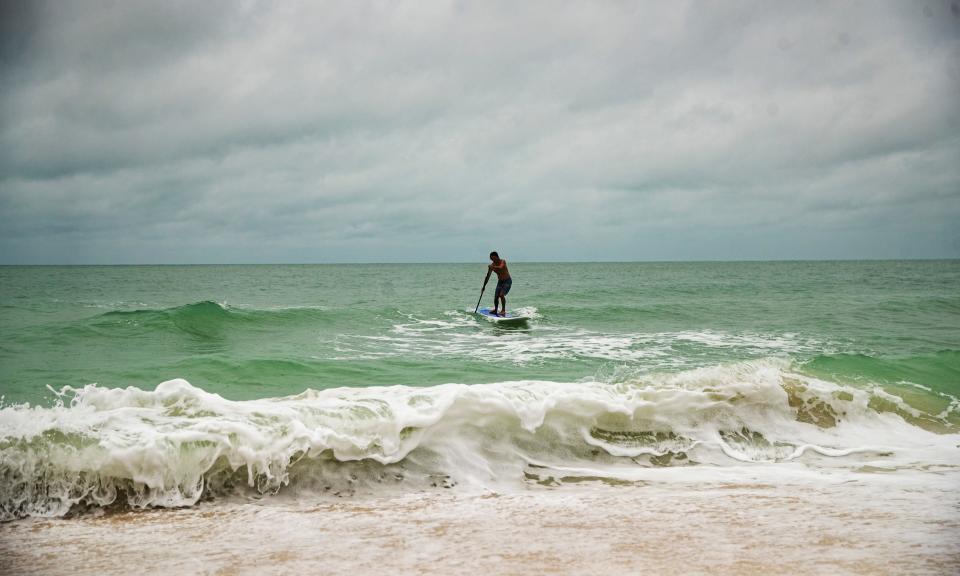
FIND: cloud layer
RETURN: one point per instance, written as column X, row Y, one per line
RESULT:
column 424, row 131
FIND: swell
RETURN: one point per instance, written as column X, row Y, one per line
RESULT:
column 204, row 319
column 178, row 444
column 939, row 371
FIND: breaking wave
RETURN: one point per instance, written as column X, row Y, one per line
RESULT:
column 178, row 444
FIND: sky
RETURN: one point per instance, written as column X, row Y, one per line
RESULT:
column 437, row 131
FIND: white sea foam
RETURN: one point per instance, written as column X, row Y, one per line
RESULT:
column 460, row 335
column 770, row 521
column 177, row 443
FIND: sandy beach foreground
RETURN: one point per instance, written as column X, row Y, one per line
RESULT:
column 878, row 525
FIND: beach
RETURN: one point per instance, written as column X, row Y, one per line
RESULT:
column 577, row 288
column 872, row 526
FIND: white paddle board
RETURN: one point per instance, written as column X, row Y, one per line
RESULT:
column 510, row 318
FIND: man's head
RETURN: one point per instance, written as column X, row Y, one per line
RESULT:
column 494, row 256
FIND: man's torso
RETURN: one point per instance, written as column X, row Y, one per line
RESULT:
column 502, row 272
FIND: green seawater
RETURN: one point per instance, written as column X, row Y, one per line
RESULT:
column 261, row 331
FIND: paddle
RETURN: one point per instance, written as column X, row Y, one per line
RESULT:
column 481, row 294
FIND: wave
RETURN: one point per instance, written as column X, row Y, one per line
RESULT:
column 178, row 444
column 939, row 371
column 201, row 320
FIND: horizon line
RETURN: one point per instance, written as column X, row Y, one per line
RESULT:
column 442, row 262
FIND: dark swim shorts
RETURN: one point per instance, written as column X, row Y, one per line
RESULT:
column 503, row 286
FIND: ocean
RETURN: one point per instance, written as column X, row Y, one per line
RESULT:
column 175, row 389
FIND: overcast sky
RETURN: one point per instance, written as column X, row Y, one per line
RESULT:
column 166, row 132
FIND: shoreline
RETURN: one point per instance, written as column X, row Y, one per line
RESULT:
column 876, row 524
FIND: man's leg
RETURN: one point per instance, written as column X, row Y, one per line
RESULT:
column 503, row 296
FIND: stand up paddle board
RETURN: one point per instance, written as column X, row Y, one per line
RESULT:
column 510, row 318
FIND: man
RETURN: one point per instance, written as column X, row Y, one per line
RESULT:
column 503, row 283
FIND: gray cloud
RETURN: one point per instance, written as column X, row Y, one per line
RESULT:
column 212, row 132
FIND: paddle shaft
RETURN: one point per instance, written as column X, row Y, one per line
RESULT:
column 481, row 296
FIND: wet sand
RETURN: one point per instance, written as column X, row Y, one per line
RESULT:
column 877, row 526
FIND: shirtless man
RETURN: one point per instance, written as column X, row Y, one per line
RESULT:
column 503, row 283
